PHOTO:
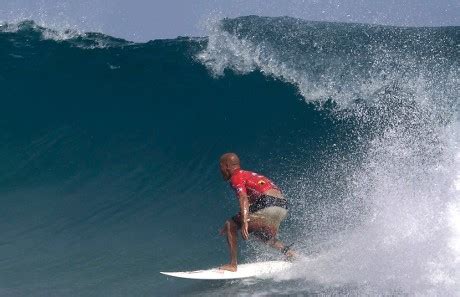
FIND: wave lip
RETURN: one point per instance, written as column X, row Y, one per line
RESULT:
column 330, row 60
column 87, row 40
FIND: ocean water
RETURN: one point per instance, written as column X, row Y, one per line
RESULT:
column 109, row 157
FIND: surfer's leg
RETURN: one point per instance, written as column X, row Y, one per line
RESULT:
column 265, row 224
column 276, row 244
column 267, row 234
column 231, row 231
column 262, row 231
column 280, row 246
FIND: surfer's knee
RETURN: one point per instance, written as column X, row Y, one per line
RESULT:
column 266, row 235
column 273, row 241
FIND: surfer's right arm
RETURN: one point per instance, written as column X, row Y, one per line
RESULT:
column 244, row 210
column 239, row 184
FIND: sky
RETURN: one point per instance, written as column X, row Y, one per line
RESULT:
column 143, row 20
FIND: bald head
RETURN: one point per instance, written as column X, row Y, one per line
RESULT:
column 229, row 162
column 230, row 158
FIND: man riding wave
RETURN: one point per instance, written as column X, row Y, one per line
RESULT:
column 262, row 208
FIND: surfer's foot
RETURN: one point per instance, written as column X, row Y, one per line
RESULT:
column 291, row 255
column 229, row 267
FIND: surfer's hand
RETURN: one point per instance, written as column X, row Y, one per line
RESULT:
column 244, row 231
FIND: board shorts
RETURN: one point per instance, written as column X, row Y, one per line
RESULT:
column 270, row 209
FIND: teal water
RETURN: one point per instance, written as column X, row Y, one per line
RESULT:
column 109, row 157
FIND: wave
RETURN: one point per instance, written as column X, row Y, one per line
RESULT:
column 119, row 141
column 402, row 86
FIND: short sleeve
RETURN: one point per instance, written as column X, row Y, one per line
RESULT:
column 238, row 183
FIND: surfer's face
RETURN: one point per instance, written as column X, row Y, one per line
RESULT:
column 224, row 171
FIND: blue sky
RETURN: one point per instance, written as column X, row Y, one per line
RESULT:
column 142, row 20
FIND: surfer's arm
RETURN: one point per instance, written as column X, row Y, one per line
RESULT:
column 238, row 183
column 244, row 210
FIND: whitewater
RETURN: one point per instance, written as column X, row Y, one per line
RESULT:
column 109, row 152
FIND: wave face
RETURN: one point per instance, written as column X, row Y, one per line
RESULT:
column 109, row 157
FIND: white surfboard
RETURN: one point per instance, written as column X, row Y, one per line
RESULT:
column 259, row 269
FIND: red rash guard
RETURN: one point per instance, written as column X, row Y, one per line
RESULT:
column 251, row 184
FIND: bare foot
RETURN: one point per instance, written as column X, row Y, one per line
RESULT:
column 291, row 255
column 229, row 267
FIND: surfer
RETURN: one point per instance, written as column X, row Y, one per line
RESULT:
column 262, row 208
